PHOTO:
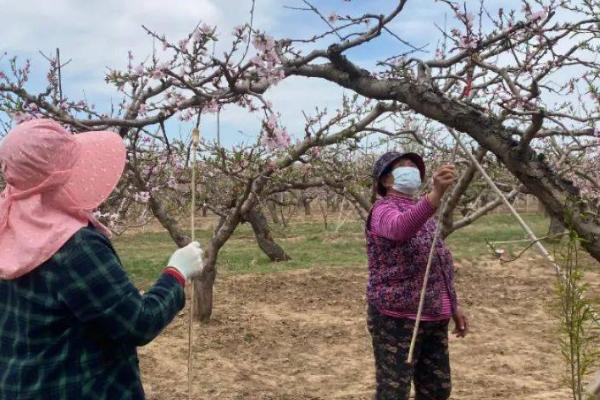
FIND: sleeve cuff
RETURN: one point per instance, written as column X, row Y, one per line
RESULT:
column 175, row 274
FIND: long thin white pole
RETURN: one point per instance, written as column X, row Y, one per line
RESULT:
column 415, row 333
column 514, row 212
column 436, row 235
column 195, row 141
column 219, row 127
column 594, row 388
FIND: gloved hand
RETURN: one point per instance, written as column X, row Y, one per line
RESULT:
column 188, row 260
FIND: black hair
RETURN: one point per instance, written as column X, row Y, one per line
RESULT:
column 378, row 187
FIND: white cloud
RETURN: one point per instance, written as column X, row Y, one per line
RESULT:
column 97, row 34
column 290, row 97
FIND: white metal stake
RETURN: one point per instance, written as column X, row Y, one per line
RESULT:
column 195, row 141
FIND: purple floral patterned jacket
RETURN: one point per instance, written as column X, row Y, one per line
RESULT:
column 397, row 262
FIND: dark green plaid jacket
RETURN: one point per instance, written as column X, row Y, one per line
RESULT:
column 69, row 329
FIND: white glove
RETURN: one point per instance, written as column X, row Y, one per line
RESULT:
column 188, row 260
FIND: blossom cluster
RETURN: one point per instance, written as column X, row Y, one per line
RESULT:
column 274, row 136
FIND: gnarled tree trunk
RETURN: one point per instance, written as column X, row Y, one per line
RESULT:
column 272, row 207
column 306, row 204
column 203, row 293
column 265, row 241
column 161, row 213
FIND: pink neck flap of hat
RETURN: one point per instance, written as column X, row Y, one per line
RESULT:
column 55, row 180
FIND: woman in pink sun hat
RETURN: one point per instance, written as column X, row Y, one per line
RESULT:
column 70, row 319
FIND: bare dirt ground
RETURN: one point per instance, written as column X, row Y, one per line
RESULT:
column 302, row 335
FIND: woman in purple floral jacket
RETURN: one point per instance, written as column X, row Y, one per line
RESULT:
column 400, row 231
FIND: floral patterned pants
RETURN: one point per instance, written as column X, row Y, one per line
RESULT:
column 430, row 370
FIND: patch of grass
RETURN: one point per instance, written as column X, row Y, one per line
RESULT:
column 470, row 242
column 309, row 245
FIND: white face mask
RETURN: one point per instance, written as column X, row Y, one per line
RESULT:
column 406, row 180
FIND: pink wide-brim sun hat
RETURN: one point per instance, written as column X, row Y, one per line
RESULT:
column 98, row 168
column 94, row 161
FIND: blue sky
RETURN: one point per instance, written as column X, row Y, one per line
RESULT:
column 97, row 34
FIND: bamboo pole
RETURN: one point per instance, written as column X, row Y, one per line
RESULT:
column 513, row 211
column 195, row 141
column 436, row 235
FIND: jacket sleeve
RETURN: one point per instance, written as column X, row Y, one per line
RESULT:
column 96, row 289
column 400, row 225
